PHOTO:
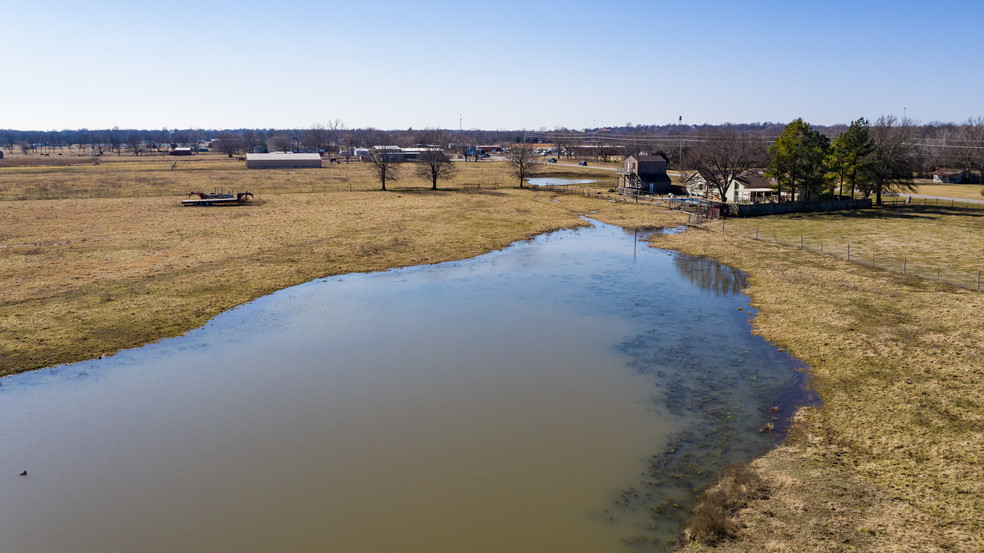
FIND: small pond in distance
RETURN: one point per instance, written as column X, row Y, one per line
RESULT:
column 566, row 394
column 553, row 181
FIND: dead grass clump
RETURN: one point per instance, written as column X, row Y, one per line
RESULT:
column 714, row 517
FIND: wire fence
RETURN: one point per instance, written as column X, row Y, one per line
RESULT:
column 935, row 201
column 862, row 254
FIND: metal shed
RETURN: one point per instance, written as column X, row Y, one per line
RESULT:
column 283, row 161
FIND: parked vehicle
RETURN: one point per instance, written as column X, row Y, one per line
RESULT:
column 552, row 160
column 583, row 163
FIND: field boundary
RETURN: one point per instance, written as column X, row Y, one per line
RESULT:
column 854, row 253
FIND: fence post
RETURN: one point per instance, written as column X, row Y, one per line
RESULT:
column 848, row 251
column 801, row 241
column 756, row 232
column 904, row 260
column 978, row 281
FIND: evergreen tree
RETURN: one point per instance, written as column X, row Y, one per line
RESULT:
column 848, row 153
column 799, row 160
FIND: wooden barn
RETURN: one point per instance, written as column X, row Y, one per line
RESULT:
column 283, row 161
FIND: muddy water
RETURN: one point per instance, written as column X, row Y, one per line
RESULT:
column 554, row 396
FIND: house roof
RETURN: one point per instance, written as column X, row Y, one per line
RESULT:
column 644, row 159
column 282, row 157
column 754, row 179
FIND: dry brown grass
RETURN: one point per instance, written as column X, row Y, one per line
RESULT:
column 930, row 241
column 894, row 458
column 86, row 275
column 157, row 175
column 966, row 191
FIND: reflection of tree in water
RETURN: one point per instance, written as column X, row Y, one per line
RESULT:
column 710, row 275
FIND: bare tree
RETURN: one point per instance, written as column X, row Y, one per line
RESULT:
column 522, row 161
column 433, row 164
column 384, row 162
column 723, row 157
column 971, row 146
column 251, row 139
column 136, row 145
column 315, row 138
column 229, row 144
column 334, row 130
column 279, row 143
column 890, row 165
column 195, row 137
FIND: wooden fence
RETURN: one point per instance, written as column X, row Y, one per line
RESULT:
column 755, row 210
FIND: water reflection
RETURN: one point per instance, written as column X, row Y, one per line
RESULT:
column 504, row 403
column 554, row 181
column 711, row 276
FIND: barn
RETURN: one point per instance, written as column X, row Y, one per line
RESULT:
column 283, row 161
column 644, row 175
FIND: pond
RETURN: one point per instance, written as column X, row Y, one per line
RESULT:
column 553, row 181
column 568, row 393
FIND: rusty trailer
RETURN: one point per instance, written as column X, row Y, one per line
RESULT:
column 217, row 199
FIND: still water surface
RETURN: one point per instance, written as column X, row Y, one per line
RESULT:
column 532, row 399
column 554, row 181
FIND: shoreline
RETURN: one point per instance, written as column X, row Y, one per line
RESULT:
column 852, row 471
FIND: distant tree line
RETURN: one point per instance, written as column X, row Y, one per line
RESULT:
column 870, row 158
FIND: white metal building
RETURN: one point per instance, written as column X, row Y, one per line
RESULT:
column 283, row 161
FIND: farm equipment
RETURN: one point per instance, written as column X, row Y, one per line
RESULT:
column 215, row 199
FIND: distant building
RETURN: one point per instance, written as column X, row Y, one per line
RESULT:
column 283, row 161
column 644, row 175
column 181, row 151
column 396, row 153
column 749, row 187
column 955, row 176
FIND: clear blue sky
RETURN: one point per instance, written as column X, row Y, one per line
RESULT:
column 504, row 64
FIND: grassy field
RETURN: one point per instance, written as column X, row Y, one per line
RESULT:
column 933, row 242
column 116, row 262
column 966, row 191
column 894, row 458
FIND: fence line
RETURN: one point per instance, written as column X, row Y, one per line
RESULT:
column 855, row 253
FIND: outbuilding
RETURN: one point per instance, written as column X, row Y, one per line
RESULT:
column 283, row 161
column 644, row 175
